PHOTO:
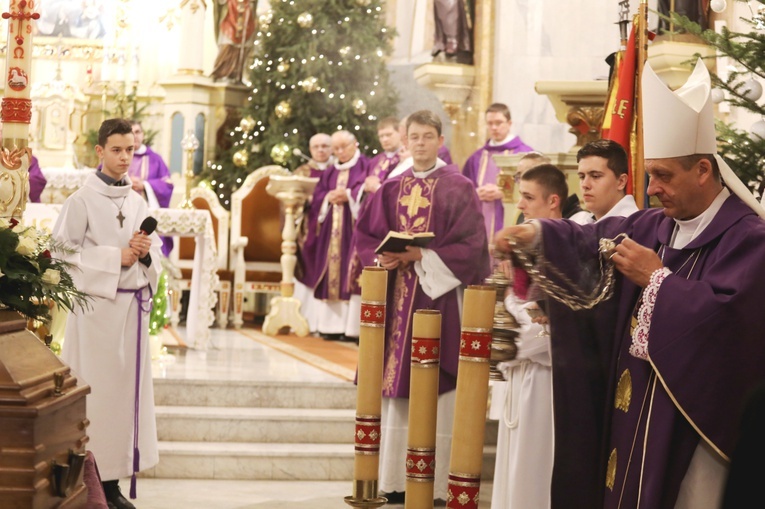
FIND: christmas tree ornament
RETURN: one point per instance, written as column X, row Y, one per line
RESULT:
column 280, row 153
column 359, row 107
column 363, row 3
column 283, row 109
column 758, row 130
column 759, row 18
column 265, row 19
column 751, row 90
column 718, row 5
column 283, row 67
column 717, row 95
column 305, row 20
column 310, row 84
column 240, row 158
column 344, row 51
column 247, row 124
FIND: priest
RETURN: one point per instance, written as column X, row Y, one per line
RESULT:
column 326, row 250
column 651, row 382
column 429, row 197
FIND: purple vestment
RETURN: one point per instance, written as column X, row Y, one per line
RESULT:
column 37, row 181
column 326, row 249
column 481, row 169
column 443, row 203
column 444, row 155
column 626, row 426
column 152, row 170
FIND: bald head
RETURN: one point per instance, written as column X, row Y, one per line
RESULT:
column 343, row 145
column 320, row 146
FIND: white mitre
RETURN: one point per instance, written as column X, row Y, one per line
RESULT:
column 682, row 123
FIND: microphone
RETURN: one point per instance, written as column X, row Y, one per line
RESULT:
column 148, row 226
column 297, row 152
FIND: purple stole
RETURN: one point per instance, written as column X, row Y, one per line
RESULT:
column 335, row 253
column 414, row 216
column 382, row 164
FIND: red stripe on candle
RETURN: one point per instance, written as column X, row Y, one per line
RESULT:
column 426, row 350
column 475, row 346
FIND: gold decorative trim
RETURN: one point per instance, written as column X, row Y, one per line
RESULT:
column 611, row 471
column 623, row 396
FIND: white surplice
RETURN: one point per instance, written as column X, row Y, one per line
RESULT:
column 101, row 341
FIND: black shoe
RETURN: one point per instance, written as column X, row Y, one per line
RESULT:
column 114, row 497
column 332, row 337
column 395, row 497
column 350, row 339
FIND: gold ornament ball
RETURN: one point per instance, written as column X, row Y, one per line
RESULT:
column 305, row 20
column 240, row 158
column 283, row 109
column 310, row 84
column 280, row 153
column 265, row 19
column 247, row 124
column 363, row 3
column 359, row 107
column 283, row 67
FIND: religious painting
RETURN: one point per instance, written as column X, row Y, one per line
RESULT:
column 79, row 19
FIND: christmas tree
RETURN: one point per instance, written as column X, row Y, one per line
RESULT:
column 739, row 85
column 319, row 66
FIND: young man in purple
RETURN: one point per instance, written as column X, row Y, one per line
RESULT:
column 429, row 197
column 150, row 177
column 327, row 246
column 482, row 171
column 651, row 382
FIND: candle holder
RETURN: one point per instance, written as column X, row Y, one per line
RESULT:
column 190, row 144
column 504, row 327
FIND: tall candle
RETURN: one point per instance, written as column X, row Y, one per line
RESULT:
column 423, row 407
column 471, row 398
column 374, row 285
column 16, row 105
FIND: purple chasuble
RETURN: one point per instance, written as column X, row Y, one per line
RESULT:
column 481, row 169
column 37, row 180
column 150, row 168
column 444, row 155
column 637, row 423
column 327, row 246
column 443, row 203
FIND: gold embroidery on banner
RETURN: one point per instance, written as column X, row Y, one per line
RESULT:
column 624, row 391
column 335, row 254
column 611, row 471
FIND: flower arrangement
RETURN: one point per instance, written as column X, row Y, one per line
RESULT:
column 30, row 278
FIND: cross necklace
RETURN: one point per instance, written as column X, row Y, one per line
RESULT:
column 120, row 216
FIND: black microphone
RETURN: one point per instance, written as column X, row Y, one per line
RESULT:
column 148, row 226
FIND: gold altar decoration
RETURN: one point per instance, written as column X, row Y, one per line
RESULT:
column 374, row 289
column 292, row 191
column 471, row 398
column 423, row 409
column 190, row 144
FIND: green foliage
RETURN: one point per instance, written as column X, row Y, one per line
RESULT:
column 744, row 151
column 343, row 49
column 158, row 318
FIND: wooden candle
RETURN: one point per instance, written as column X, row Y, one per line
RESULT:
column 423, row 406
column 471, row 398
column 16, row 105
column 374, row 285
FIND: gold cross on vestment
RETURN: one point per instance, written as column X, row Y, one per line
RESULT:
column 414, row 201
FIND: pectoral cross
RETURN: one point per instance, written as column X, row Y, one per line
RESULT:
column 120, row 217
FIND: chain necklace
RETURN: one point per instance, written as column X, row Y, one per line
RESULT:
column 567, row 292
column 120, row 217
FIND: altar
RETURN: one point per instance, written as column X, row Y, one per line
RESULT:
column 170, row 222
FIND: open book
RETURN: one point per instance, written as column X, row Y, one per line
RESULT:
column 396, row 242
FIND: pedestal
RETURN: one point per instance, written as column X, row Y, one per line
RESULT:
column 292, row 191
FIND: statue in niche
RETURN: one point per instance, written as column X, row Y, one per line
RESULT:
column 234, row 28
column 695, row 10
column 454, row 31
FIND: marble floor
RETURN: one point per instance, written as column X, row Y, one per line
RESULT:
column 233, row 356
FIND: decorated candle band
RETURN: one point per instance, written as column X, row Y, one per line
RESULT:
column 368, row 432
column 373, row 314
column 426, row 352
column 18, row 110
column 475, row 344
column 421, row 464
column 462, row 492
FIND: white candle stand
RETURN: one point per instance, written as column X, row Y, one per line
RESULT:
column 292, row 191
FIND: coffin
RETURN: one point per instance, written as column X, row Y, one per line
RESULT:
column 42, row 424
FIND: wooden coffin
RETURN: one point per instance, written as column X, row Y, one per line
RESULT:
column 42, row 423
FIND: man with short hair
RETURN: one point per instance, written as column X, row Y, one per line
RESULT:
column 603, row 178
column 481, row 169
column 320, row 147
column 526, row 162
column 381, row 165
column 652, row 380
column 333, row 211
column 430, row 197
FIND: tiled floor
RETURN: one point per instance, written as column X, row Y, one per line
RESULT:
column 233, row 356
